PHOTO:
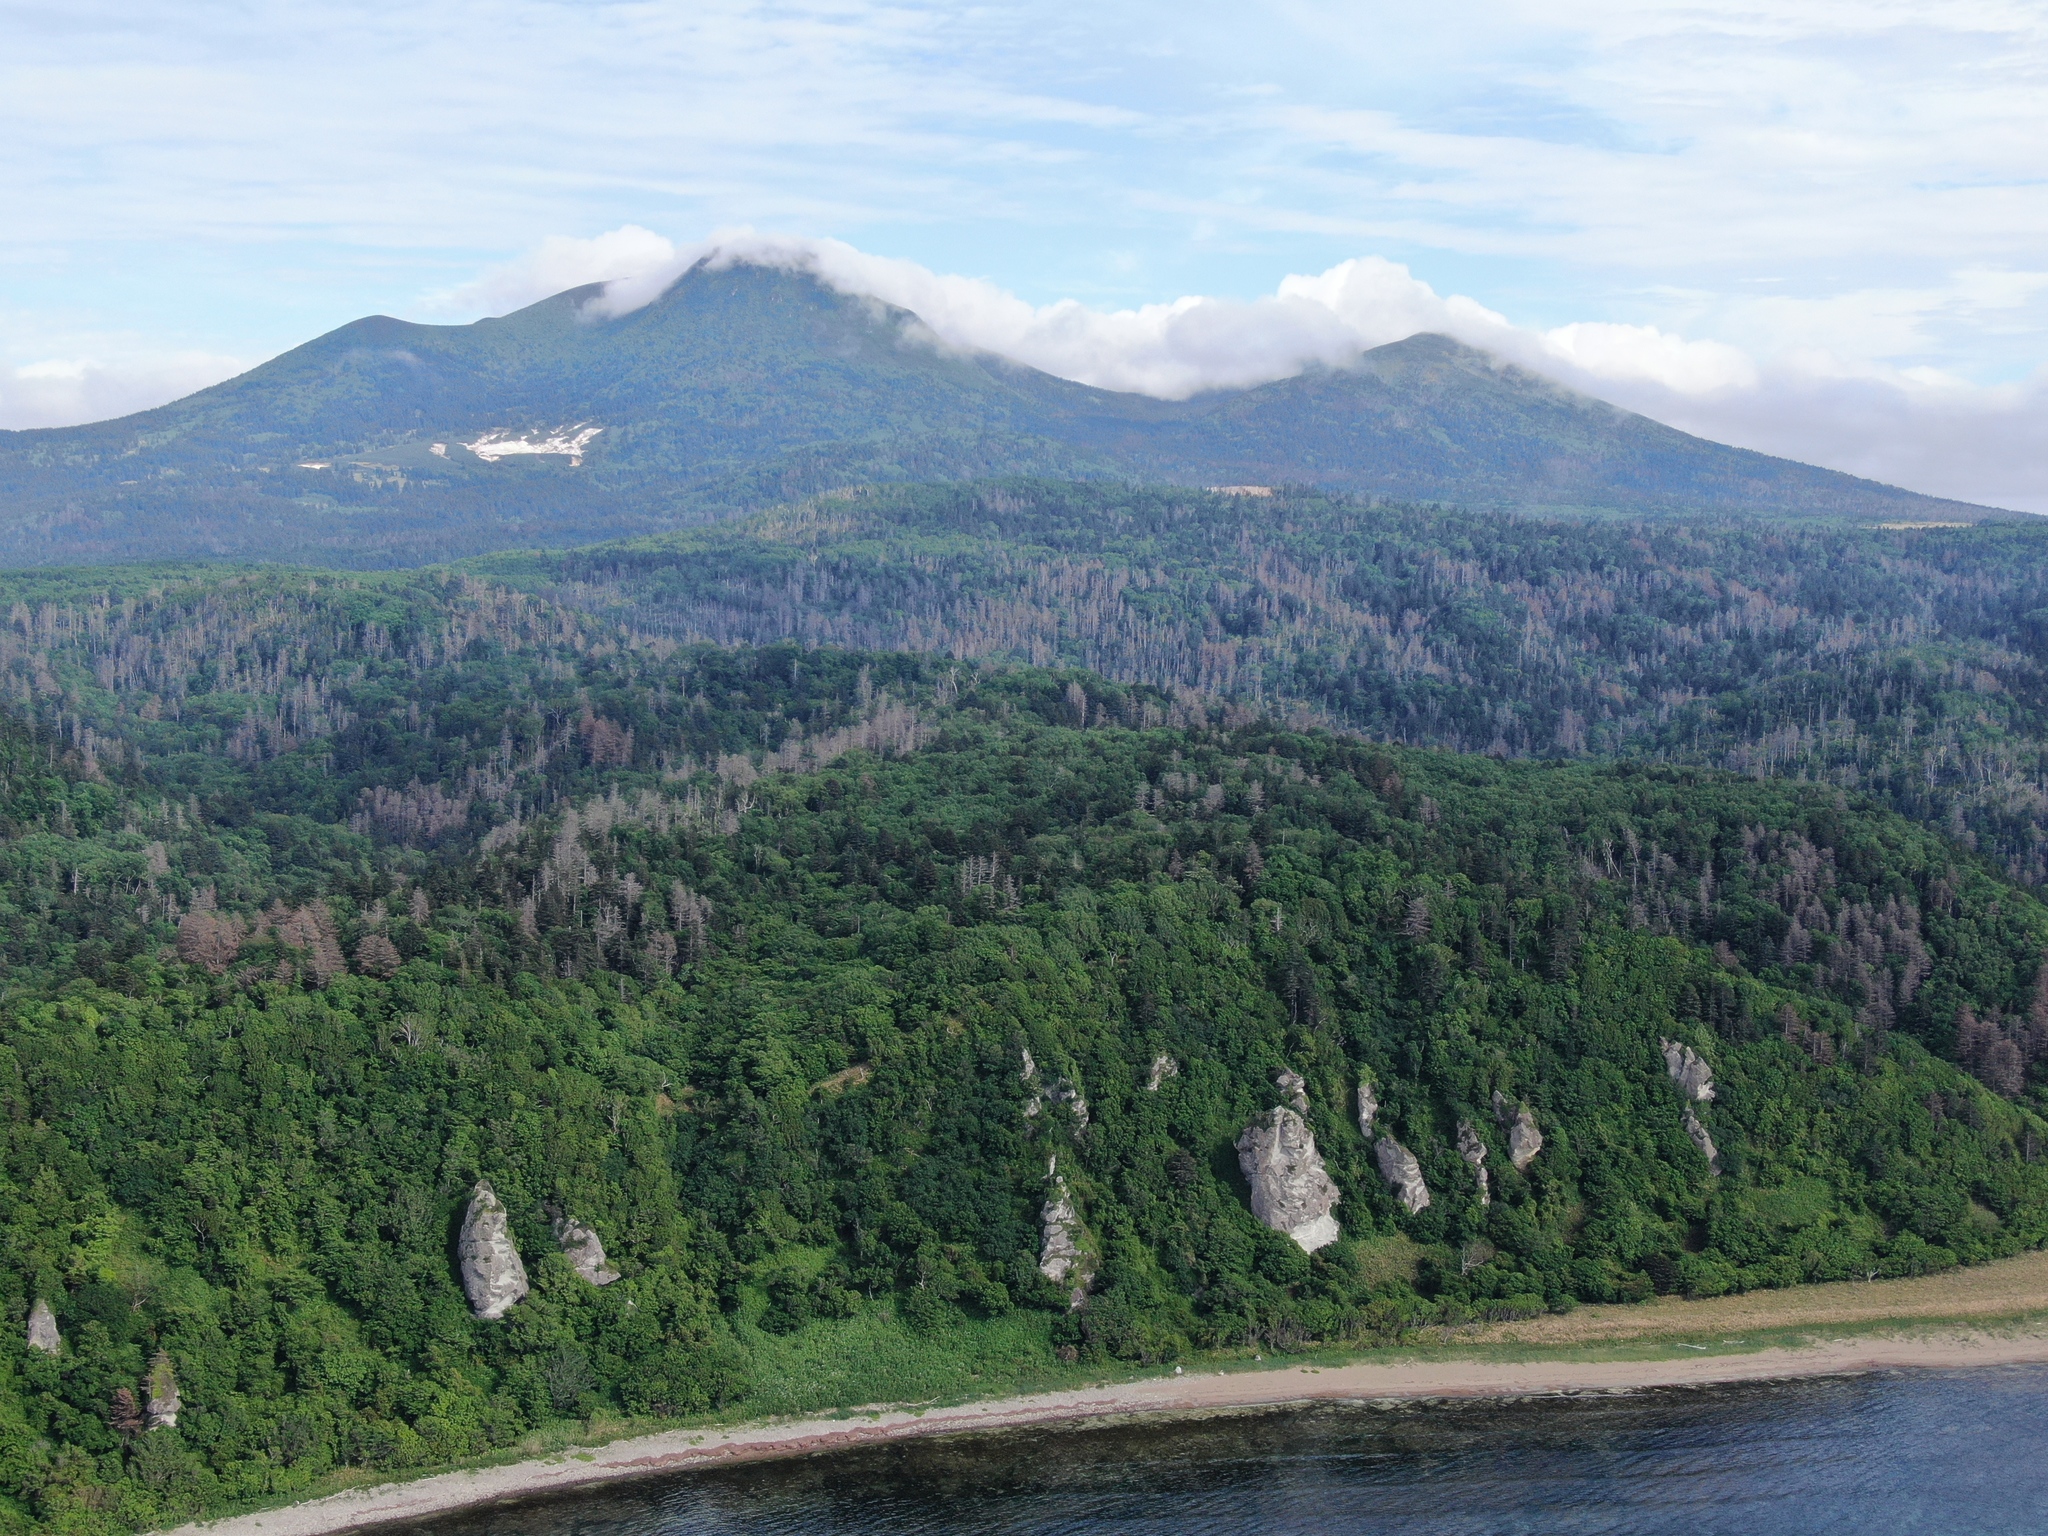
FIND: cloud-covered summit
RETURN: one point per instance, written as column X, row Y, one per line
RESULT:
column 1917, row 428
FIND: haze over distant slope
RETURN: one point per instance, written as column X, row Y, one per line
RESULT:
column 389, row 443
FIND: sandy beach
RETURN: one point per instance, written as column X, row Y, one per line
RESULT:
column 2009, row 1302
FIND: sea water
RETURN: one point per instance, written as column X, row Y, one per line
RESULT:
column 1920, row 1452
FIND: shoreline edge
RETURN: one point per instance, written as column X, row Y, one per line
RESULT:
column 1158, row 1397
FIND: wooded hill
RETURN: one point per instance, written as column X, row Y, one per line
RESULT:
column 386, row 443
column 790, row 971
column 1908, row 663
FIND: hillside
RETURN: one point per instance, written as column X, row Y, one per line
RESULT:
column 387, row 443
column 789, row 973
column 1910, row 664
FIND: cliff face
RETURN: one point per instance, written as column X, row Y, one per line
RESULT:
column 492, row 1273
column 1291, row 1191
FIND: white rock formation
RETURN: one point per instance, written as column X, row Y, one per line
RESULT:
column 1472, row 1148
column 1292, row 1089
column 1063, row 1257
column 1368, row 1106
column 1702, row 1140
column 1524, row 1140
column 1694, row 1077
column 584, row 1249
column 491, row 1271
column 1399, row 1168
column 164, row 1402
column 42, row 1329
column 1291, row 1190
column 1163, row 1067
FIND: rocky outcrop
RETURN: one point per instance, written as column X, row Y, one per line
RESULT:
column 1702, row 1140
column 1399, row 1168
column 1163, row 1067
column 491, row 1271
column 1291, row 1191
column 164, row 1402
column 1058, row 1091
column 1368, row 1107
column 1293, row 1089
column 1472, row 1148
column 1695, row 1080
column 42, row 1329
column 584, row 1250
column 1694, row 1077
column 1063, row 1256
column 1519, row 1121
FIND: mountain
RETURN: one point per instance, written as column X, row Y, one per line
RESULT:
column 390, row 443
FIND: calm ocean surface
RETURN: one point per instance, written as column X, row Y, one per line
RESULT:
column 1962, row 1452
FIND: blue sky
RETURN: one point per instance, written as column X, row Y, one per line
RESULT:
column 1817, row 227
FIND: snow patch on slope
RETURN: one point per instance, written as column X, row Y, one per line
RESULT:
column 569, row 441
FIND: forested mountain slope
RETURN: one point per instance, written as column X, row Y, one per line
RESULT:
column 790, row 973
column 1908, row 663
column 386, row 443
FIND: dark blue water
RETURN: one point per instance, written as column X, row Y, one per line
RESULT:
column 1961, row 1452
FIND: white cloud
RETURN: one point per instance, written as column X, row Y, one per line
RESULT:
column 1916, row 427
column 559, row 263
column 60, row 392
column 1617, row 354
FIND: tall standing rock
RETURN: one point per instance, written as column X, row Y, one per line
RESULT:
column 491, row 1271
column 1524, row 1140
column 1368, row 1107
column 1472, row 1148
column 42, row 1329
column 584, row 1250
column 1293, row 1088
column 1399, row 1168
column 1702, row 1140
column 1291, row 1190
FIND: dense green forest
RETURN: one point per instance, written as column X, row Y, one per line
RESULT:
column 1906, row 662
column 838, row 990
